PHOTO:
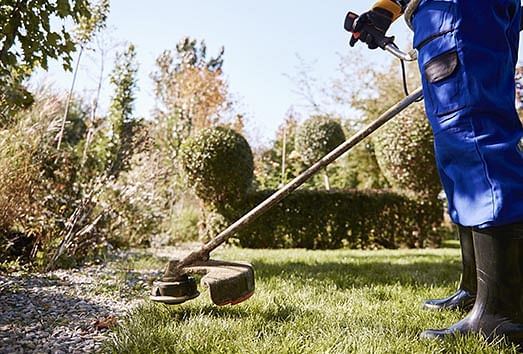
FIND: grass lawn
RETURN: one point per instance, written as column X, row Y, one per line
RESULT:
column 342, row 301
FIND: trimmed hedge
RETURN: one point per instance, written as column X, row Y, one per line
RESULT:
column 335, row 219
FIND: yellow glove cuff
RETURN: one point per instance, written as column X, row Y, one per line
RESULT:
column 390, row 6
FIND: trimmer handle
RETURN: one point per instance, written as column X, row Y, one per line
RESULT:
column 384, row 42
column 350, row 21
column 381, row 40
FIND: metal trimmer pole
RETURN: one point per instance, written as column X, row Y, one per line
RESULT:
column 203, row 253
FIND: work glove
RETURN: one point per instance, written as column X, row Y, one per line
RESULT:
column 369, row 24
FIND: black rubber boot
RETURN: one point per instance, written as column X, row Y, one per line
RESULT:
column 465, row 296
column 498, row 310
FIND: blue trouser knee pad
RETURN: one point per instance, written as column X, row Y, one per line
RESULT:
column 467, row 56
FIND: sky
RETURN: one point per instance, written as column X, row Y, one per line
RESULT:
column 265, row 43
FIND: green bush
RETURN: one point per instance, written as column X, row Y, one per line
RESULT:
column 51, row 208
column 218, row 164
column 404, row 147
column 358, row 169
column 212, row 223
column 317, row 136
column 184, row 226
column 405, row 152
column 41, row 185
column 335, row 219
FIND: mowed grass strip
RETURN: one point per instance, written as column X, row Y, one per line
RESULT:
column 341, row 301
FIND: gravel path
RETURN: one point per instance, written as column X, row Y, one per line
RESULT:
column 67, row 311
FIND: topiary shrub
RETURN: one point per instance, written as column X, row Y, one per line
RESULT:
column 317, row 136
column 218, row 164
column 405, row 153
column 319, row 219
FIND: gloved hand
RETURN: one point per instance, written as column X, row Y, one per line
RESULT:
column 369, row 24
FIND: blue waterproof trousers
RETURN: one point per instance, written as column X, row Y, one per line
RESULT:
column 467, row 57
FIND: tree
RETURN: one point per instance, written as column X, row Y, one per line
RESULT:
column 13, row 97
column 191, row 95
column 30, row 38
column 190, row 90
column 87, row 29
column 121, row 111
column 117, row 151
column 279, row 163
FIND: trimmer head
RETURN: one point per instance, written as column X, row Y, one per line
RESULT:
column 229, row 283
column 175, row 291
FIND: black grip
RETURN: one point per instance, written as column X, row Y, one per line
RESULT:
column 350, row 21
column 381, row 40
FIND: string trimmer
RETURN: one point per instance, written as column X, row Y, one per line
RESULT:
column 233, row 282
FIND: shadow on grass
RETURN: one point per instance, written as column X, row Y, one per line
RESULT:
column 357, row 275
column 272, row 313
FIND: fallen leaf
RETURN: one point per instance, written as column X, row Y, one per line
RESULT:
column 106, row 323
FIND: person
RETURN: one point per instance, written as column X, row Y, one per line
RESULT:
column 467, row 53
column 465, row 295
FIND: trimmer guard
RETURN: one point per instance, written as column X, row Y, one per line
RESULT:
column 229, row 283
